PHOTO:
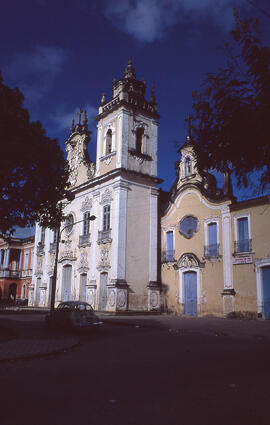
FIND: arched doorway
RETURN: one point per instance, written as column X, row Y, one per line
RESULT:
column 12, row 290
column 67, row 270
column 83, row 282
column 190, row 290
column 103, row 290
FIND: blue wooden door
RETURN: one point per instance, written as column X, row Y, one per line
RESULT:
column 104, row 280
column 190, row 288
column 266, row 291
column 67, row 282
column 83, row 282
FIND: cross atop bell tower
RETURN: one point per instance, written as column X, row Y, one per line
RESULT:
column 127, row 127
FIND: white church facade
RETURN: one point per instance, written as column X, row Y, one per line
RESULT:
column 111, row 262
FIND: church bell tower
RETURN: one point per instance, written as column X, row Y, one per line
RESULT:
column 126, row 163
column 128, row 127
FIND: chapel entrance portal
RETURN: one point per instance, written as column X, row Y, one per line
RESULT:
column 190, row 289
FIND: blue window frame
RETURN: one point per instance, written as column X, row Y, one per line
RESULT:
column 243, row 235
column 212, row 247
column 106, row 217
column 169, row 246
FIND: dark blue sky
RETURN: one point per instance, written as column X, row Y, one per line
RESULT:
column 63, row 54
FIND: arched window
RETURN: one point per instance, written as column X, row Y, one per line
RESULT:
column 69, row 223
column 188, row 166
column 108, row 142
column 23, row 295
column 139, row 140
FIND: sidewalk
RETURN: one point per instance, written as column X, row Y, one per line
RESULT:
column 28, row 339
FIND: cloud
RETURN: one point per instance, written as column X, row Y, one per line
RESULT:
column 63, row 119
column 35, row 71
column 150, row 20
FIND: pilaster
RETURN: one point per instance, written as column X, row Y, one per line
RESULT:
column 125, row 138
column 228, row 293
column 99, row 149
column 119, row 230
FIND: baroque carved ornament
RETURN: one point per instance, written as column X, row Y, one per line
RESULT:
column 86, row 204
column 106, row 197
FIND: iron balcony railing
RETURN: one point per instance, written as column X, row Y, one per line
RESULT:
column 104, row 236
column 167, row 256
column 15, row 274
column 84, row 240
column 211, row 250
column 26, row 273
column 244, row 245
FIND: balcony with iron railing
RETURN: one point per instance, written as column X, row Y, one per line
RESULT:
column 84, row 240
column 167, row 256
column 26, row 273
column 104, row 236
column 6, row 273
column 242, row 246
column 211, row 251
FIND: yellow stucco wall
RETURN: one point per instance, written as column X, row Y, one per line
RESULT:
column 211, row 275
column 244, row 275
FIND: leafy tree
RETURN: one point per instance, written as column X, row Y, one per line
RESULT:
column 33, row 171
column 232, row 111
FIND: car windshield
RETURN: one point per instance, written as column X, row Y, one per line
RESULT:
column 80, row 307
column 89, row 308
column 64, row 306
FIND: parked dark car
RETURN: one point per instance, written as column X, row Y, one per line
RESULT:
column 72, row 315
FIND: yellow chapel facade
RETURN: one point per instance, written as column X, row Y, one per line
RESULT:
column 215, row 251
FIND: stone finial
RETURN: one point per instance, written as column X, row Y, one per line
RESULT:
column 79, row 116
column 129, row 71
column 72, row 128
column 85, row 119
column 153, row 95
column 103, row 99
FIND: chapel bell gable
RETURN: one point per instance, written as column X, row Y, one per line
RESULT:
column 188, row 171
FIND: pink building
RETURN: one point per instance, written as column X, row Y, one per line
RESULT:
column 16, row 256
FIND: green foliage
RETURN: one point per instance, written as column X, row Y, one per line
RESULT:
column 231, row 112
column 33, row 171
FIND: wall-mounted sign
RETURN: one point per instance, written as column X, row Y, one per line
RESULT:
column 243, row 260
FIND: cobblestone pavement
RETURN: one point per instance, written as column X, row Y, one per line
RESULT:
column 30, row 338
